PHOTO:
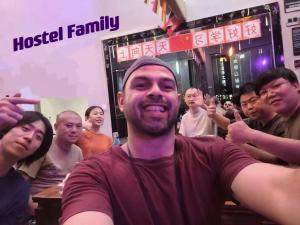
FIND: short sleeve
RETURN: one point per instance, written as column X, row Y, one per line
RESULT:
column 86, row 190
column 234, row 159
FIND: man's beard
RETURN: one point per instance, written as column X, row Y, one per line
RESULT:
column 153, row 129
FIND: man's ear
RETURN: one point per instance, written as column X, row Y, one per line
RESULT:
column 121, row 97
column 179, row 96
column 55, row 126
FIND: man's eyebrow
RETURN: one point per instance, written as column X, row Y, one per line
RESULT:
column 38, row 130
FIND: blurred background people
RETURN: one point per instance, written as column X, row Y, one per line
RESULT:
column 92, row 141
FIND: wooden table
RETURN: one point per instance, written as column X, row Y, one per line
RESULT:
column 49, row 210
column 49, row 206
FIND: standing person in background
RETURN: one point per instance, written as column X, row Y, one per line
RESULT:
column 195, row 121
column 92, row 141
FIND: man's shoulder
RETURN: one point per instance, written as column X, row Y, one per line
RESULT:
column 75, row 148
column 202, row 143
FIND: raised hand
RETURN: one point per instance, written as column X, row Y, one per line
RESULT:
column 10, row 113
column 199, row 100
column 238, row 132
column 211, row 107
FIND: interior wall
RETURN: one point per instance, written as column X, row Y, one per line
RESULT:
column 71, row 68
column 286, row 31
column 201, row 9
column 74, row 68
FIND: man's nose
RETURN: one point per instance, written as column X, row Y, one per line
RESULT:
column 270, row 93
column 28, row 136
column 154, row 90
column 74, row 129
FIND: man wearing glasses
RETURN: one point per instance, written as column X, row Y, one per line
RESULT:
column 280, row 87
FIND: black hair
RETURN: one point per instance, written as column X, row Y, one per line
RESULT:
column 89, row 109
column 273, row 74
column 30, row 117
column 244, row 89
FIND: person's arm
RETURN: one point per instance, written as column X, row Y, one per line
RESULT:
column 219, row 119
column 260, row 154
column 284, row 148
column 270, row 190
column 89, row 218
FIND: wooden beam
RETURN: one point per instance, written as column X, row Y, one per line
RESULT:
column 178, row 8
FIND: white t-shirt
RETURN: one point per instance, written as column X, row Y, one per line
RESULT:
column 196, row 125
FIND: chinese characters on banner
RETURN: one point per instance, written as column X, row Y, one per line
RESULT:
column 219, row 35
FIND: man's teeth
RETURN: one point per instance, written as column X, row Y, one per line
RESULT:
column 155, row 108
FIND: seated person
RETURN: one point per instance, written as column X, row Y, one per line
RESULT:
column 92, row 141
column 25, row 137
column 62, row 156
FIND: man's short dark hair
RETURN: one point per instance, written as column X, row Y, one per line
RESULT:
column 89, row 109
column 30, row 117
column 273, row 74
column 244, row 89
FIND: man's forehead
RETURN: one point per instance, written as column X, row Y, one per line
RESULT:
column 68, row 116
column 152, row 71
column 191, row 91
column 273, row 81
column 38, row 126
column 248, row 95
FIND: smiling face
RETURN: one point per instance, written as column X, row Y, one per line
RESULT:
column 252, row 105
column 68, row 127
column 282, row 96
column 96, row 117
column 150, row 100
column 23, row 141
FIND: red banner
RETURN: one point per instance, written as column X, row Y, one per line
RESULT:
column 182, row 42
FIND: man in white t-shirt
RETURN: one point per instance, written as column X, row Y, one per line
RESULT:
column 195, row 122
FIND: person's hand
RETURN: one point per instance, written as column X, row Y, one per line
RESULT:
column 238, row 132
column 199, row 100
column 211, row 107
column 10, row 113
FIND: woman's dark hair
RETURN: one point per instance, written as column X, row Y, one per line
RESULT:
column 30, row 117
column 89, row 109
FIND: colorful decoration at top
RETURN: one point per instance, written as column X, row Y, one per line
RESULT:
column 160, row 8
column 182, row 42
column 169, row 21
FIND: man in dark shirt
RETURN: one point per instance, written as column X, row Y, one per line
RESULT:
column 280, row 88
column 260, row 117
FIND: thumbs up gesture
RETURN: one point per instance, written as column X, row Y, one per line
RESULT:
column 211, row 107
column 238, row 132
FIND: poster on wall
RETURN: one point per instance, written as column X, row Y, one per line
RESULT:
column 296, row 40
column 291, row 5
